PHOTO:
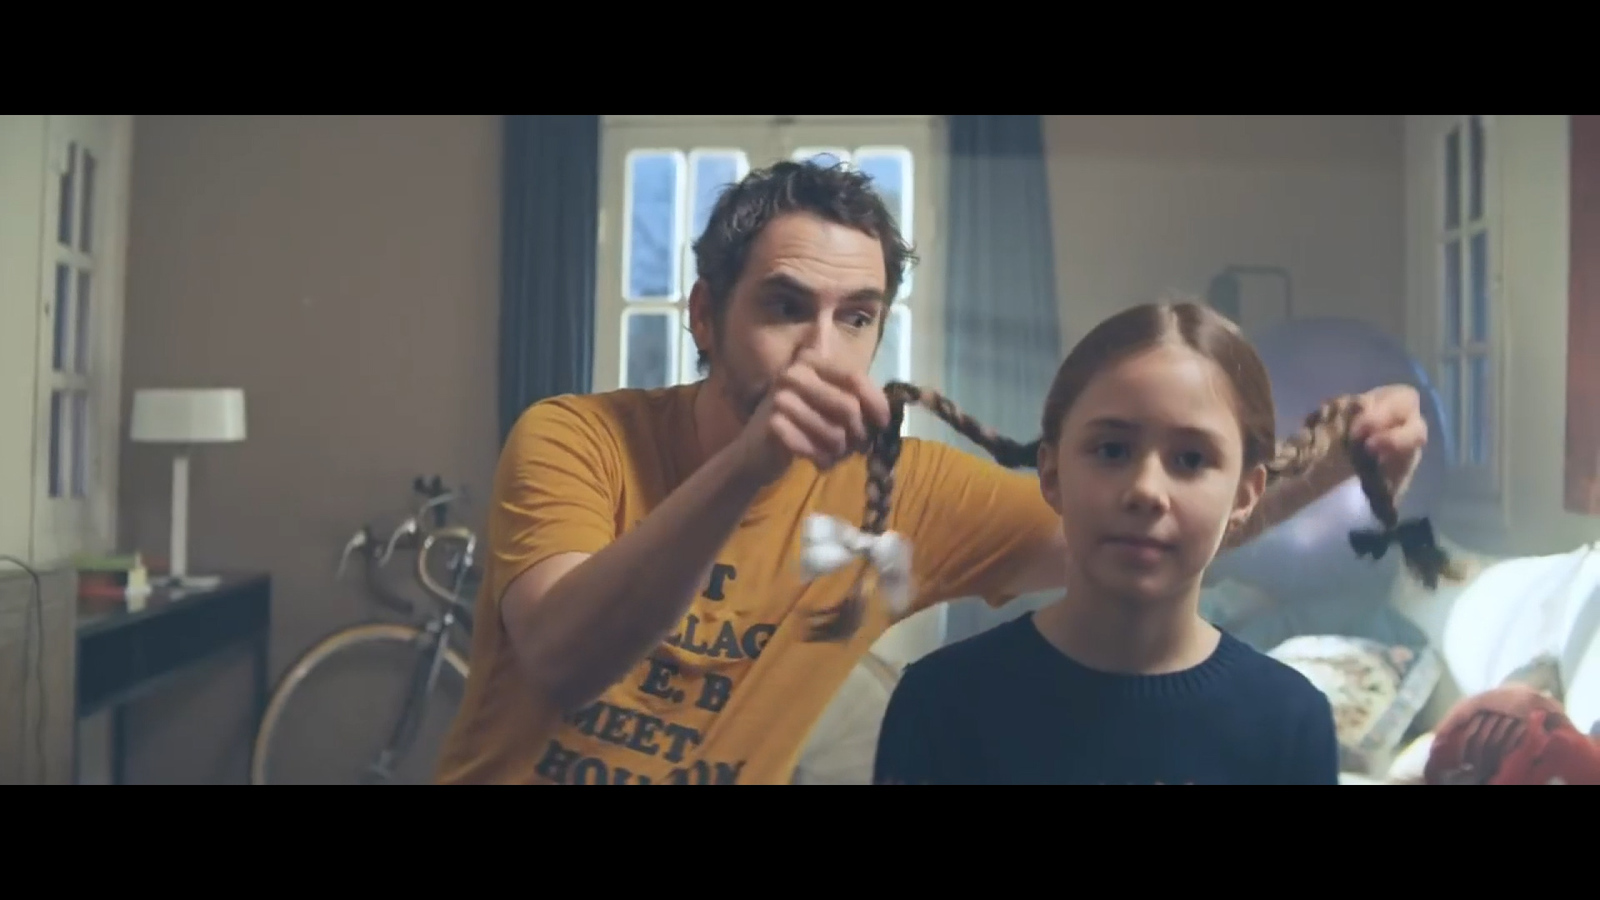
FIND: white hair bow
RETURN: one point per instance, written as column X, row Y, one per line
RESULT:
column 829, row 544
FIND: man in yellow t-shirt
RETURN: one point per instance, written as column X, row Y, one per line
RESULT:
column 643, row 611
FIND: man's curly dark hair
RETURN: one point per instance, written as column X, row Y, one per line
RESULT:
column 835, row 194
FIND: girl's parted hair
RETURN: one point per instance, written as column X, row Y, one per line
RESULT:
column 1200, row 328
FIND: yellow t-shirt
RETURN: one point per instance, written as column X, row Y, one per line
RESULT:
column 732, row 695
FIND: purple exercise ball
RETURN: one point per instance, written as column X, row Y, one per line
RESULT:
column 1310, row 361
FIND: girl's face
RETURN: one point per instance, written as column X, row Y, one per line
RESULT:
column 1146, row 474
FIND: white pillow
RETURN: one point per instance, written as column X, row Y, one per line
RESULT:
column 1517, row 609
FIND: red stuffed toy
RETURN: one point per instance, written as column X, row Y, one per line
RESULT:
column 1514, row 734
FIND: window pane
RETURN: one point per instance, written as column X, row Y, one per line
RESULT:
column 647, row 349
column 688, row 353
column 86, row 223
column 63, row 314
column 1452, row 180
column 1475, row 168
column 56, row 424
column 1452, row 293
column 710, row 173
column 80, row 442
column 890, row 170
column 80, row 354
column 1450, row 392
column 652, row 206
column 65, row 205
column 893, row 361
column 823, row 156
column 1480, row 428
column 1478, row 284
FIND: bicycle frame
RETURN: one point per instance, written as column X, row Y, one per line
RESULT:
column 434, row 642
column 433, row 637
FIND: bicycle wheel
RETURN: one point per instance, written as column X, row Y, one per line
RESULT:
column 842, row 744
column 334, row 712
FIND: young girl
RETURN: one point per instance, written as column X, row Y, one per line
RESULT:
column 1159, row 441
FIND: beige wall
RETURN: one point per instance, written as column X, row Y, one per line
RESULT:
column 1537, row 255
column 344, row 271
column 1147, row 204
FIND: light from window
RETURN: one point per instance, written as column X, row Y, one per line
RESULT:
column 710, row 173
column 667, row 203
column 654, row 214
column 891, row 174
column 893, row 362
column 827, row 157
column 648, row 347
column 1465, row 363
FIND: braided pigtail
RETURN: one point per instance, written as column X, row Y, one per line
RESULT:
column 829, row 546
column 1325, row 431
column 1006, row 452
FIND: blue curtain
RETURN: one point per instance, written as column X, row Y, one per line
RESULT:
column 549, row 229
column 1002, row 316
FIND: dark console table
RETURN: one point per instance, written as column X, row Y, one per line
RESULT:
column 123, row 655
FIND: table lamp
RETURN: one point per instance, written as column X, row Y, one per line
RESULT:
column 185, row 417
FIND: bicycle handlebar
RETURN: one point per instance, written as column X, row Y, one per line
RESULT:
column 469, row 552
column 437, row 498
column 411, row 527
column 362, row 540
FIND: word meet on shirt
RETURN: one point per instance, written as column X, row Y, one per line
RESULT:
column 654, row 736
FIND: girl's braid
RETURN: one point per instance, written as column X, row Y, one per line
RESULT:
column 1325, row 431
column 842, row 622
column 1288, row 488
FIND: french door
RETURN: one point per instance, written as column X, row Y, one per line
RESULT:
column 70, row 219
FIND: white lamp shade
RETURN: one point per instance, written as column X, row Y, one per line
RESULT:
column 188, row 416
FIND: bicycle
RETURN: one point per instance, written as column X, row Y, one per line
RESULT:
column 432, row 645
column 838, row 750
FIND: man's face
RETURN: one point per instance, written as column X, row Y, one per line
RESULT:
column 808, row 284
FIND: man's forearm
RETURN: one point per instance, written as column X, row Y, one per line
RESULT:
column 599, row 620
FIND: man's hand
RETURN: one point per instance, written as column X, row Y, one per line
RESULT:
column 813, row 411
column 1392, row 429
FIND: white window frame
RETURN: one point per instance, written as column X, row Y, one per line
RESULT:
column 767, row 138
column 619, row 144
column 65, row 526
column 610, row 121
column 1474, row 493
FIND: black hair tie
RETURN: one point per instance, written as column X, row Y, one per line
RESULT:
column 1423, row 555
